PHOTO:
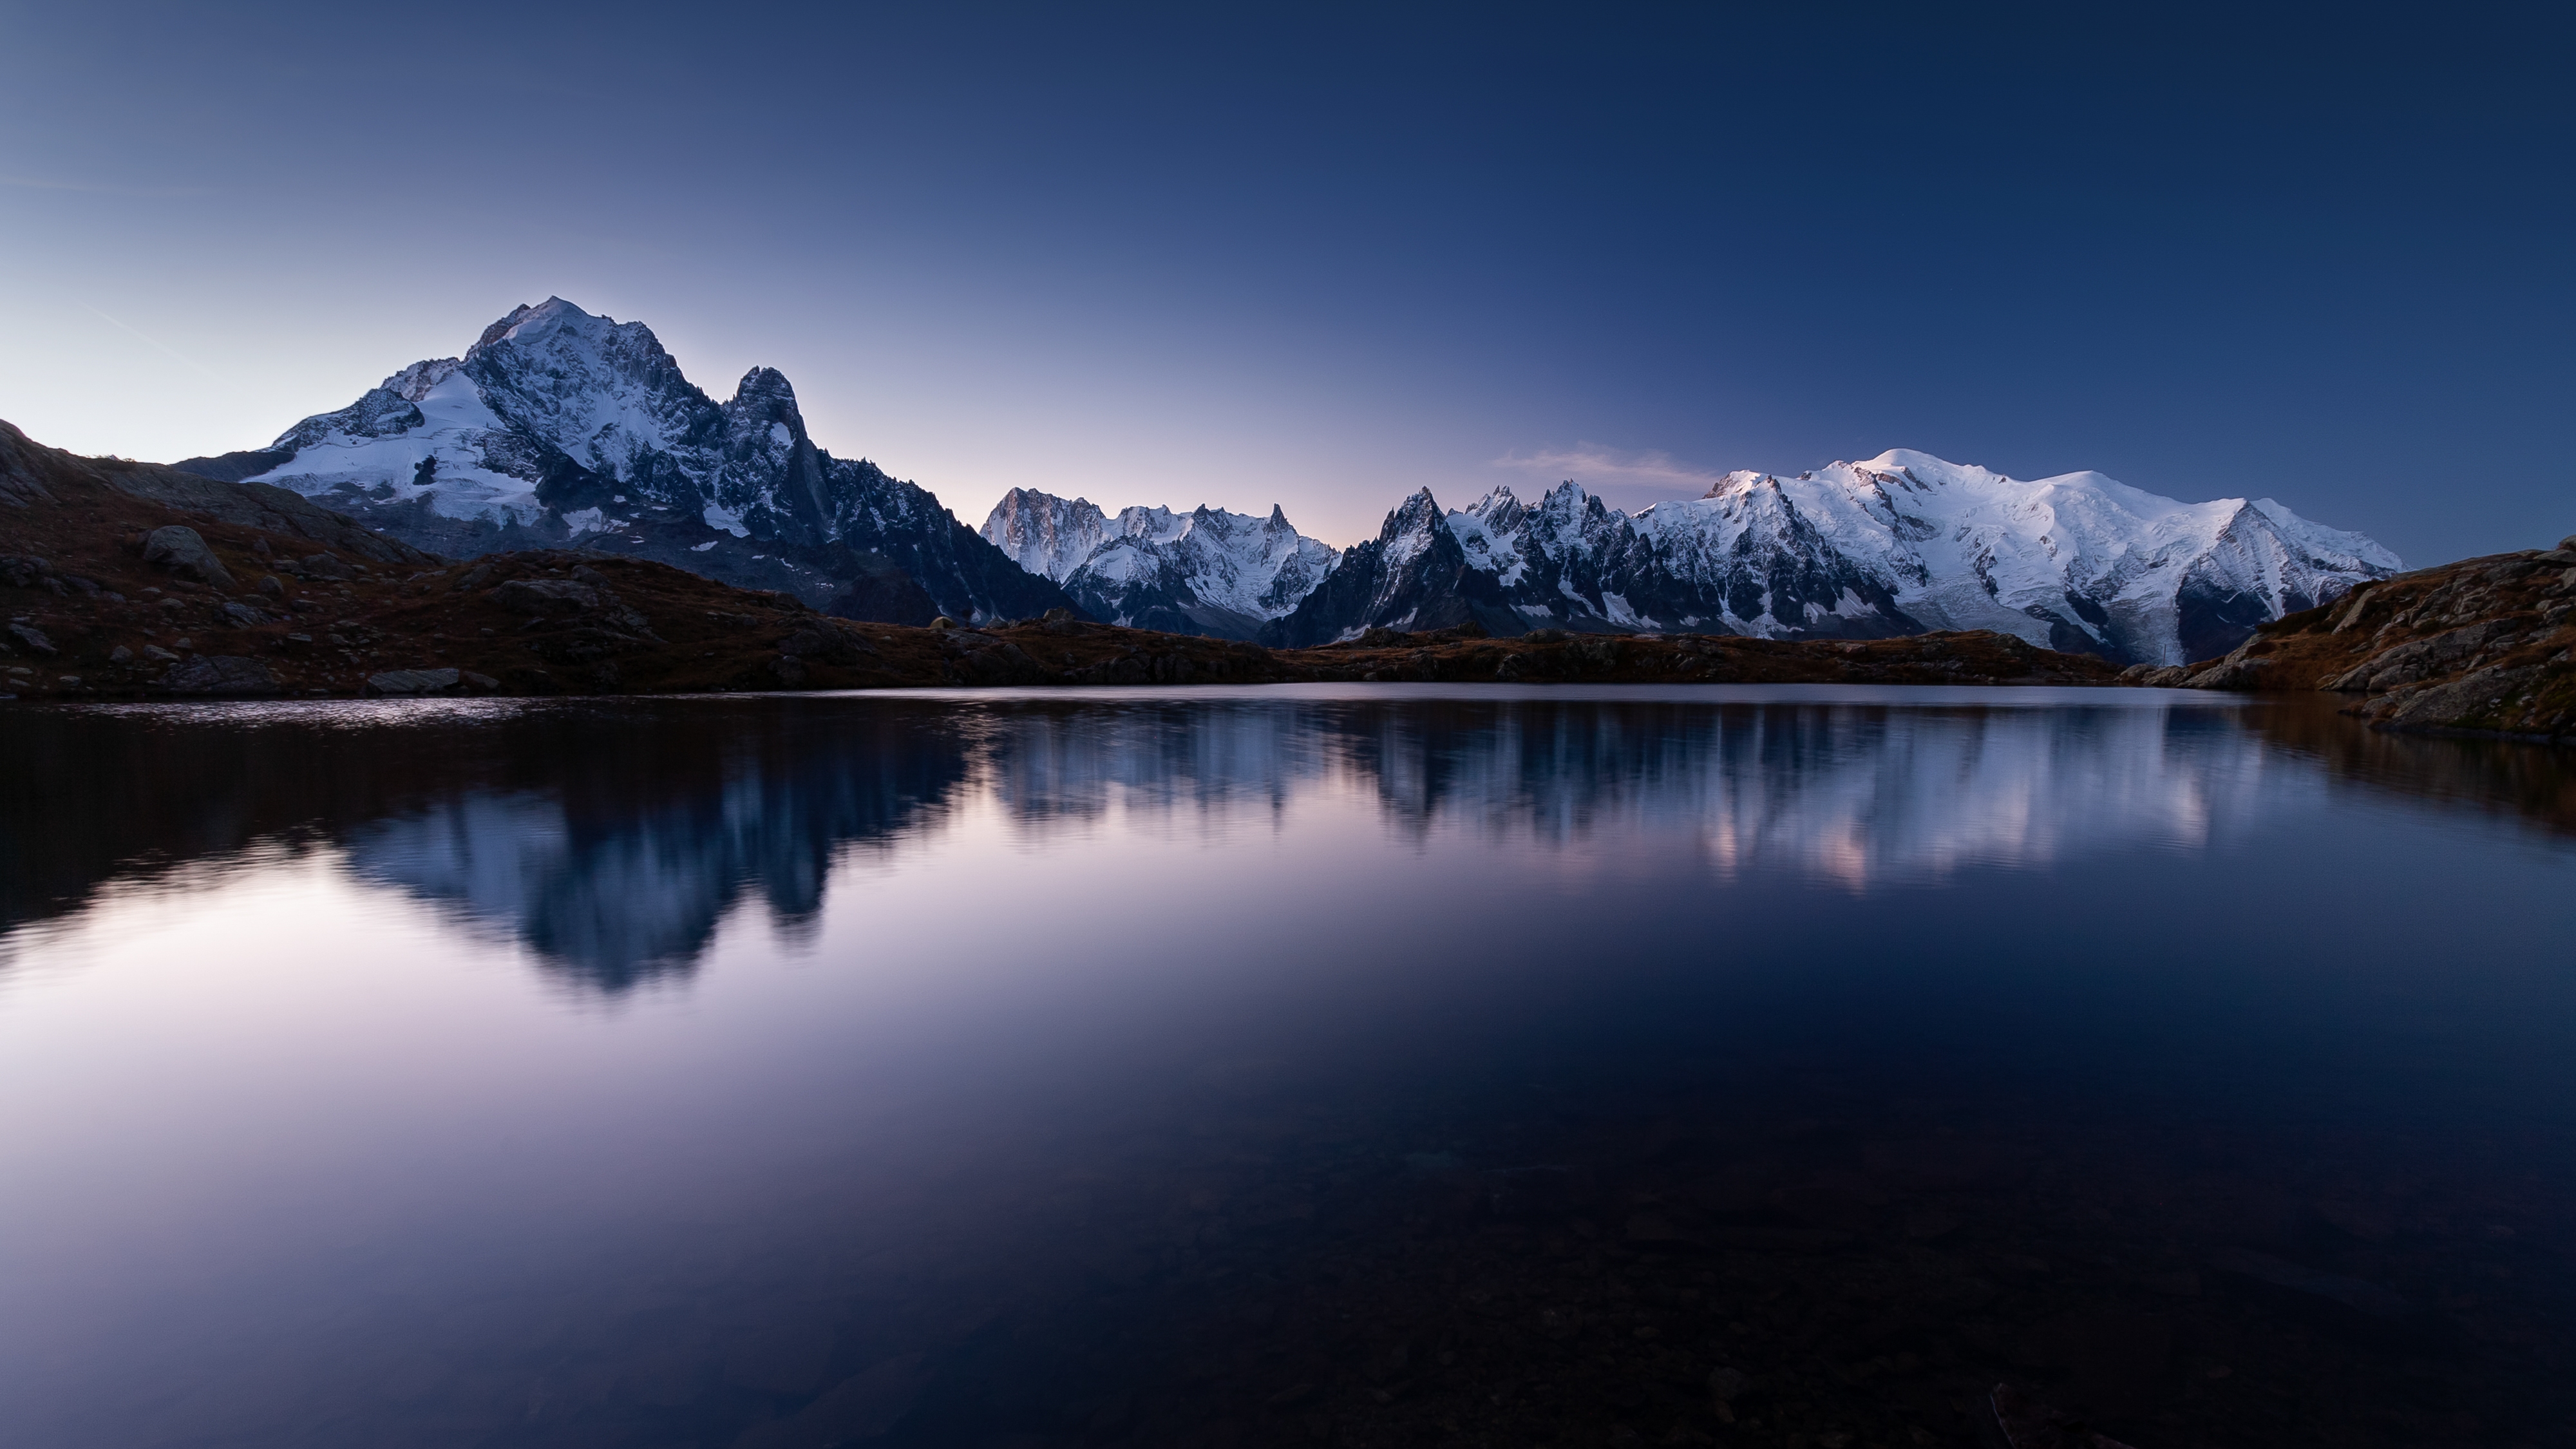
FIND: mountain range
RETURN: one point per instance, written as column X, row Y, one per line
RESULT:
column 1227, row 575
column 1904, row 543
column 559, row 426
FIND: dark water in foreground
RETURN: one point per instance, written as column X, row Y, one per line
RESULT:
column 1281, row 1067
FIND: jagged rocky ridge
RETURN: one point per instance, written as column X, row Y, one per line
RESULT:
column 1902, row 544
column 1208, row 572
column 559, row 426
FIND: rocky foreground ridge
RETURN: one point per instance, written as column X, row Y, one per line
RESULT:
column 130, row 580
column 2483, row 646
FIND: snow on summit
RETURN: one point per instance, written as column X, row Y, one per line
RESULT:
column 1904, row 543
column 558, row 425
column 1207, row 571
column 561, row 426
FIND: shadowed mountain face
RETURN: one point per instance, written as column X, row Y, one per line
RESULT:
column 610, row 840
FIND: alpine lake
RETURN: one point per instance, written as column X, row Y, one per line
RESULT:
column 1309, row 1065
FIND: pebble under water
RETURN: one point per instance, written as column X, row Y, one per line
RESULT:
column 1296, row 1066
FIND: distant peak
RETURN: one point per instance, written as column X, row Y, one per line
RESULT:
column 1416, row 507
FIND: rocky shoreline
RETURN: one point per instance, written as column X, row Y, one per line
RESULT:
column 2484, row 647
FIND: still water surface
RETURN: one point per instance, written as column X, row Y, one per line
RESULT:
column 1294, row 1066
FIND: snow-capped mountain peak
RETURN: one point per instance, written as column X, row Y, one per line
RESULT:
column 1207, row 571
column 1902, row 543
column 558, row 424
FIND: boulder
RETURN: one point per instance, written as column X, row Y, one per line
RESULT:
column 411, row 683
column 226, row 674
column 2233, row 674
column 324, row 566
column 33, row 637
column 999, row 661
column 549, row 598
column 2463, row 700
column 2419, row 660
column 182, row 550
column 827, row 643
column 243, row 615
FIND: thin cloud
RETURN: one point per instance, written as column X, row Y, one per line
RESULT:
column 148, row 337
column 1595, row 466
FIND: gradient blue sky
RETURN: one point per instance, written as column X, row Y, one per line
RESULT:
column 1321, row 256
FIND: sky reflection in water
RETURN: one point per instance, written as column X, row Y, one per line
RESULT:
column 956, row 1040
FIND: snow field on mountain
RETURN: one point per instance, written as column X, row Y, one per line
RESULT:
column 454, row 423
column 1246, row 570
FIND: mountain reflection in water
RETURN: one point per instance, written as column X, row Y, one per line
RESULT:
column 1281, row 1067
column 611, row 841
